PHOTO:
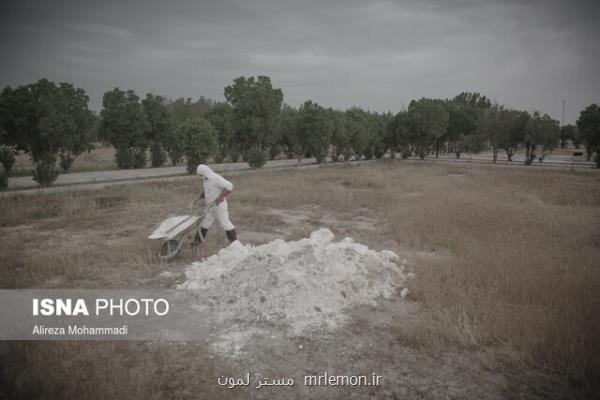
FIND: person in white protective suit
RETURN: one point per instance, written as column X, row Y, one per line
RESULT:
column 216, row 189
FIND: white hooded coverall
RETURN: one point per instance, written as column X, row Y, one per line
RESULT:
column 213, row 187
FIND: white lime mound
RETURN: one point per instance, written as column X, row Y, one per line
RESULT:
column 309, row 284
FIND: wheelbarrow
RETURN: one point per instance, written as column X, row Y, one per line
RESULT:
column 172, row 230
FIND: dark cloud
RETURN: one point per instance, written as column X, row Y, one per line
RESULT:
column 380, row 55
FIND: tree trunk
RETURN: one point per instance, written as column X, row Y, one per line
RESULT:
column 529, row 154
column 7, row 158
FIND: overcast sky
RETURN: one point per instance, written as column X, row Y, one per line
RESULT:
column 528, row 54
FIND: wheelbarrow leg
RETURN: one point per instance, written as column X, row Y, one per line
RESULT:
column 169, row 249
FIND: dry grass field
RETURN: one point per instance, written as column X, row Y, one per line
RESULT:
column 506, row 264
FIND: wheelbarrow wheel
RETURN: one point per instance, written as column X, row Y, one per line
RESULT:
column 169, row 249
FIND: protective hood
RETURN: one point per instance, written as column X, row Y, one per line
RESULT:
column 204, row 171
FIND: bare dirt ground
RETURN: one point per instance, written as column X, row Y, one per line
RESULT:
column 478, row 322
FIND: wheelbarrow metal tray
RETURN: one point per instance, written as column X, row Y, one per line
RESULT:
column 172, row 226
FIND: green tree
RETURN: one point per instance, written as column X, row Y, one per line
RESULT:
column 588, row 125
column 180, row 110
column 376, row 134
column 314, row 129
column 184, row 109
column 289, row 139
column 341, row 144
column 473, row 99
column 160, row 128
column 568, row 133
column 429, row 123
column 45, row 120
column 550, row 136
column 462, row 122
column 357, row 126
column 8, row 141
column 514, row 126
column 3, row 178
column 489, row 126
column 465, row 111
column 174, row 149
column 221, row 117
column 77, row 124
column 7, row 160
column 543, row 132
column 125, row 126
column 256, row 106
column 199, row 141
column 399, row 136
column 577, row 139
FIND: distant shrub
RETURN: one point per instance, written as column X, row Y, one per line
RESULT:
column 158, row 155
column 45, row 171
column 256, row 157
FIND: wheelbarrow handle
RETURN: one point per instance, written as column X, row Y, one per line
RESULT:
column 207, row 207
column 193, row 202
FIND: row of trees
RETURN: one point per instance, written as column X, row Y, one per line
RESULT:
column 52, row 123
column 244, row 125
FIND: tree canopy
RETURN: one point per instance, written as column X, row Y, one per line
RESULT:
column 125, row 126
column 159, row 129
column 588, row 125
column 314, row 130
column 199, row 141
column 46, row 120
column 256, row 106
column 428, row 122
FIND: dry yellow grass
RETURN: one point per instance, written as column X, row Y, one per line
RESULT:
column 107, row 370
column 506, row 259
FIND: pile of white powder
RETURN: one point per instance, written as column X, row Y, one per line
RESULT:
column 307, row 285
